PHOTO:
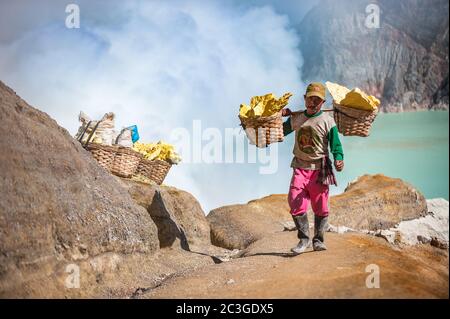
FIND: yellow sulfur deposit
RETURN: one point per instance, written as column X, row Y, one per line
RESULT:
column 158, row 151
column 264, row 105
column 338, row 92
column 355, row 98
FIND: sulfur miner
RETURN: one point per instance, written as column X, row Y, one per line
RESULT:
column 315, row 133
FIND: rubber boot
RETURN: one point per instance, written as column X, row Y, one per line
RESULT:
column 301, row 222
column 320, row 227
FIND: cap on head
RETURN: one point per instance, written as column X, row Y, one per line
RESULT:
column 316, row 89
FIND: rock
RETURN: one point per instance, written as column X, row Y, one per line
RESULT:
column 374, row 202
column 230, row 282
column 288, row 226
column 179, row 218
column 58, row 206
column 339, row 229
column 390, row 236
column 404, row 62
column 438, row 207
column 237, row 226
column 431, row 229
column 436, row 242
column 178, row 215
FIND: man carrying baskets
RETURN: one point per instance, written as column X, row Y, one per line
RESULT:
column 315, row 130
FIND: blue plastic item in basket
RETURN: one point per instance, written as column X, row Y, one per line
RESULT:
column 134, row 133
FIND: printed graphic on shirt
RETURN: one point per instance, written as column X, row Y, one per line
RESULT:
column 308, row 140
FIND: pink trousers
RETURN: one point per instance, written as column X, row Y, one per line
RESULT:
column 304, row 189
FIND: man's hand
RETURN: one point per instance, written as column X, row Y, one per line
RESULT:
column 286, row 112
column 339, row 165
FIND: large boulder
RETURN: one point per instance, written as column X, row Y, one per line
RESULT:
column 58, row 206
column 178, row 215
column 237, row 226
column 374, row 202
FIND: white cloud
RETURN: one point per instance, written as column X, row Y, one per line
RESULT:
column 161, row 66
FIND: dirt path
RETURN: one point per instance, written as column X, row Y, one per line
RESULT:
column 268, row 270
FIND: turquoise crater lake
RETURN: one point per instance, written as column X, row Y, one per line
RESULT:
column 413, row 146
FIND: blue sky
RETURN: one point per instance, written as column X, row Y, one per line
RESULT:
column 160, row 65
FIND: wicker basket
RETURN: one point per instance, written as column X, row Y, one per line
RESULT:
column 353, row 122
column 125, row 162
column 156, row 170
column 144, row 168
column 263, row 131
column 104, row 154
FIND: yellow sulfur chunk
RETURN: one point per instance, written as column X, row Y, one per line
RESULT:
column 360, row 100
column 355, row 98
column 243, row 110
column 158, row 151
column 259, row 109
column 374, row 100
column 338, row 92
column 264, row 105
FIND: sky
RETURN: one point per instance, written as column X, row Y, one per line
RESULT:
column 160, row 65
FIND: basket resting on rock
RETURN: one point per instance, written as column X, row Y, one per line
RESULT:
column 125, row 162
column 155, row 170
column 104, row 154
column 263, row 131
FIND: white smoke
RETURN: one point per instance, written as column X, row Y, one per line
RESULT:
column 160, row 65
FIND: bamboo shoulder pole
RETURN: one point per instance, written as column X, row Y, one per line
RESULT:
column 325, row 110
